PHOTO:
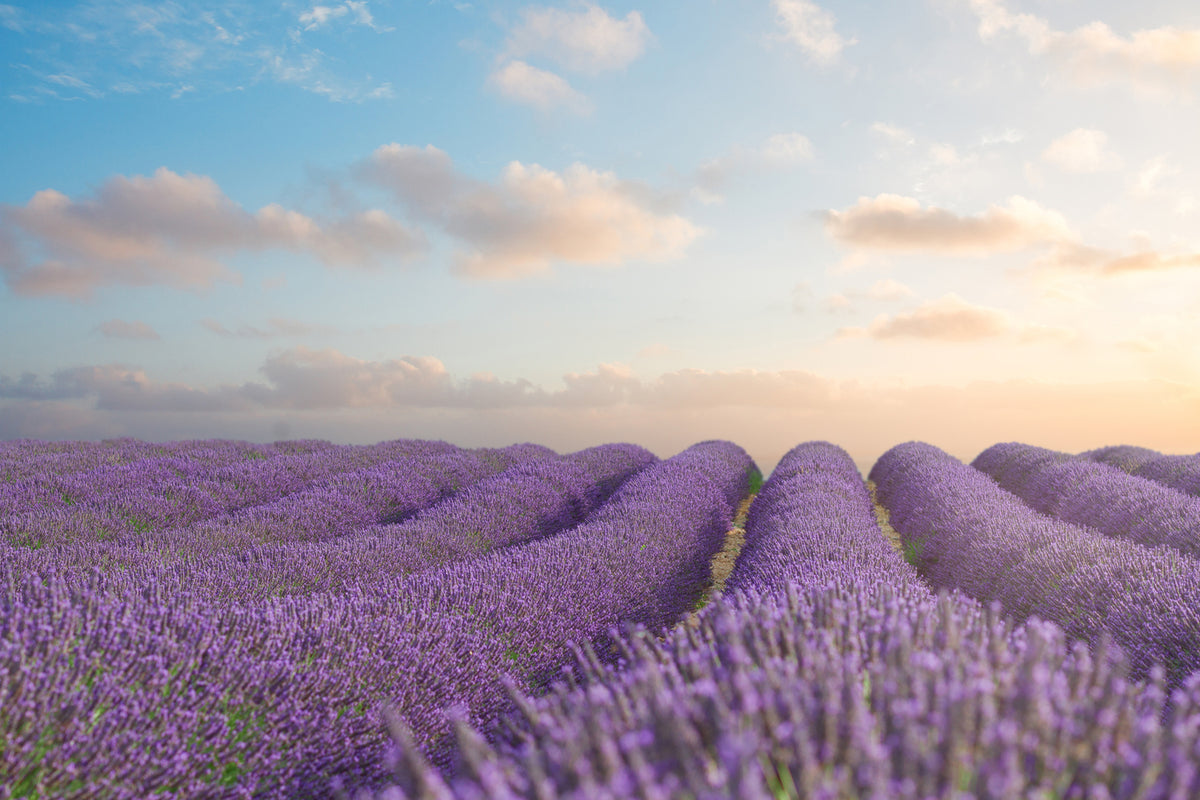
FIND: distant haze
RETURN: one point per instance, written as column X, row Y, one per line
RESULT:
column 769, row 221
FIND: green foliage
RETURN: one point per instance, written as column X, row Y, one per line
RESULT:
column 756, row 480
column 779, row 779
column 912, row 550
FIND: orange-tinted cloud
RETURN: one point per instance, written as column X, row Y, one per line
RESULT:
column 1082, row 150
column 533, row 216
column 1074, row 257
column 279, row 326
column 1093, row 54
column 522, row 83
column 766, row 413
column 120, row 329
column 947, row 319
column 892, row 222
column 171, row 229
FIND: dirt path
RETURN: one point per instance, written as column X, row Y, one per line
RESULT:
column 881, row 516
column 724, row 559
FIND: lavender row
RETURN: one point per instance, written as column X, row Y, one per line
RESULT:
column 835, row 673
column 963, row 531
column 167, row 690
column 813, row 521
column 197, row 489
column 45, row 463
column 1179, row 472
column 531, row 500
column 1095, row 494
column 413, row 475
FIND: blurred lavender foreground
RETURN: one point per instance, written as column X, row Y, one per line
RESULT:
column 1097, row 495
column 134, row 678
column 831, row 671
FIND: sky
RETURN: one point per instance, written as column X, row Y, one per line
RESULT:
column 769, row 221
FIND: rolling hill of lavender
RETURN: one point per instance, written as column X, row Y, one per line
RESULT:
column 413, row 619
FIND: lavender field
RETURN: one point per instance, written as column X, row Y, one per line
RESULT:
column 412, row 619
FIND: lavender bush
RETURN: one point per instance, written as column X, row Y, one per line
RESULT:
column 963, row 531
column 118, row 687
column 833, row 673
column 1095, row 494
column 1181, row 472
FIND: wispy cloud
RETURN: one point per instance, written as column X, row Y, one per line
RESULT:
column 305, row 379
column 1079, row 258
column 811, row 28
column 278, row 327
column 169, row 229
column 95, row 49
column 893, row 133
column 355, row 13
column 532, row 217
column 778, row 151
column 950, row 318
column 120, row 329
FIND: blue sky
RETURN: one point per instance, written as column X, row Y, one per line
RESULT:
column 961, row 221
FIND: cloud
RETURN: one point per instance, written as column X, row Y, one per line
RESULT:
column 948, row 319
column 1094, row 54
column 305, row 379
column 532, row 216
column 119, row 329
column 359, row 12
column 1033, row 333
column 93, row 50
column 779, row 150
column 280, row 326
column 588, row 40
column 1009, row 136
column 811, row 27
column 306, row 70
column 1150, row 174
column 1081, row 150
column 522, row 83
column 319, row 15
column 882, row 290
column 893, row 133
column 894, row 223
column 658, row 350
column 169, row 229
column 865, row 418
column 787, row 148
column 12, row 18
column 765, row 412
column 1072, row 257
column 888, row 289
